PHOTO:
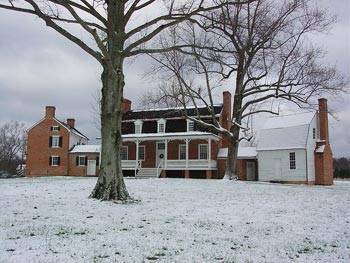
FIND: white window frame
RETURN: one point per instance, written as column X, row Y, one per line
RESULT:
column 314, row 134
column 80, row 157
column 161, row 123
column 199, row 151
column 292, row 161
column 184, row 147
column 52, row 158
column 127, row 153
column 190, row 125
column 138, row 126
column 144, row 152
column 58, row 141
column 56, row 128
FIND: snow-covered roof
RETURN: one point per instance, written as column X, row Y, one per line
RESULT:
column 177, row 135
column 243, row 152
column 86, row 149
column 285, row 132
column 289, row 120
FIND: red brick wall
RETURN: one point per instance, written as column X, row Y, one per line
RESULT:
column 241, row 168
column 39, row 152
column 324, row 167
column 76, row 170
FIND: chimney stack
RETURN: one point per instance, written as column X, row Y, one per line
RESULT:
column 227, row 108
column 50, row 111
column 71, row 123
column 225, row 116
column 126, row 105
column 323, row 119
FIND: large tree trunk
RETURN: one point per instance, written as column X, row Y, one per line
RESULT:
column 110, row 184
column 232, row 155
column 231, row 163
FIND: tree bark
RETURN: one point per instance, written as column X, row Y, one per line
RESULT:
column 110, row 184
column 232, row 155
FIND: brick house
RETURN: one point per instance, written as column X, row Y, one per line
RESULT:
column 163, row 143
column 49, row 142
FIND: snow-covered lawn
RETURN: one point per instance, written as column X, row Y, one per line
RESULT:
column 178, row 220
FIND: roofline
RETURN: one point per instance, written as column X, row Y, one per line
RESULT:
column 172, row 118
column 61, row 124
column 282, row 148
column 37, row 123
column 175, row 108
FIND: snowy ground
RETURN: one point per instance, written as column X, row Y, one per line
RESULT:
column 52, row 220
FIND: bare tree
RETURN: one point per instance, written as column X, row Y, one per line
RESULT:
column 118, row 31
column 262, row 50
column 12, row 145
column 159, row 97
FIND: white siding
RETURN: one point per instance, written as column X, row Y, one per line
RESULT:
column 311, row 145
column 270, row 162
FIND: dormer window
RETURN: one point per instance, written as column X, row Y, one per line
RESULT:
column 138, row 126
column 161, row 125
column 190, row 125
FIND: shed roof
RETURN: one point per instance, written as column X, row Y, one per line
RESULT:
column 86, row 149
column 243, row 153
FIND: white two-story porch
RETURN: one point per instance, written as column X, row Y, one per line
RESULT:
column 153, row 154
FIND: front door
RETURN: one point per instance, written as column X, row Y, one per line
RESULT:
column 160, row 152
column 251, row 171
column 91, row 168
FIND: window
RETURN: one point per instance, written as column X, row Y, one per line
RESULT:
column 203, row 151
column 141, row 152
column 124, row 153
column 314, row 133
column 292, row 163
column 161, row 125
column 138, row 126
column 55, row 141
column 182, row 151
column 55, row 128
column 161, row 146
column 190, row 125
column 82, row 160
column 55, row 160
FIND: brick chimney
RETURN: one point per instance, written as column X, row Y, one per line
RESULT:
column 50, row 112
column 323, row 119
column 71, row 122
column 126, row 105
column 323, row 152
column 226, row 110
column 225, row 116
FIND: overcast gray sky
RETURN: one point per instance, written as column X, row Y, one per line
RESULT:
column 39, row 67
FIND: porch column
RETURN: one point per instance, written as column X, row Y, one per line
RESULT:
column 166, row 154
column 187, row 152
column 137, row 156
column 209, row 152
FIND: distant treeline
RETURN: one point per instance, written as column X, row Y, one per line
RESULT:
column 341, row 167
